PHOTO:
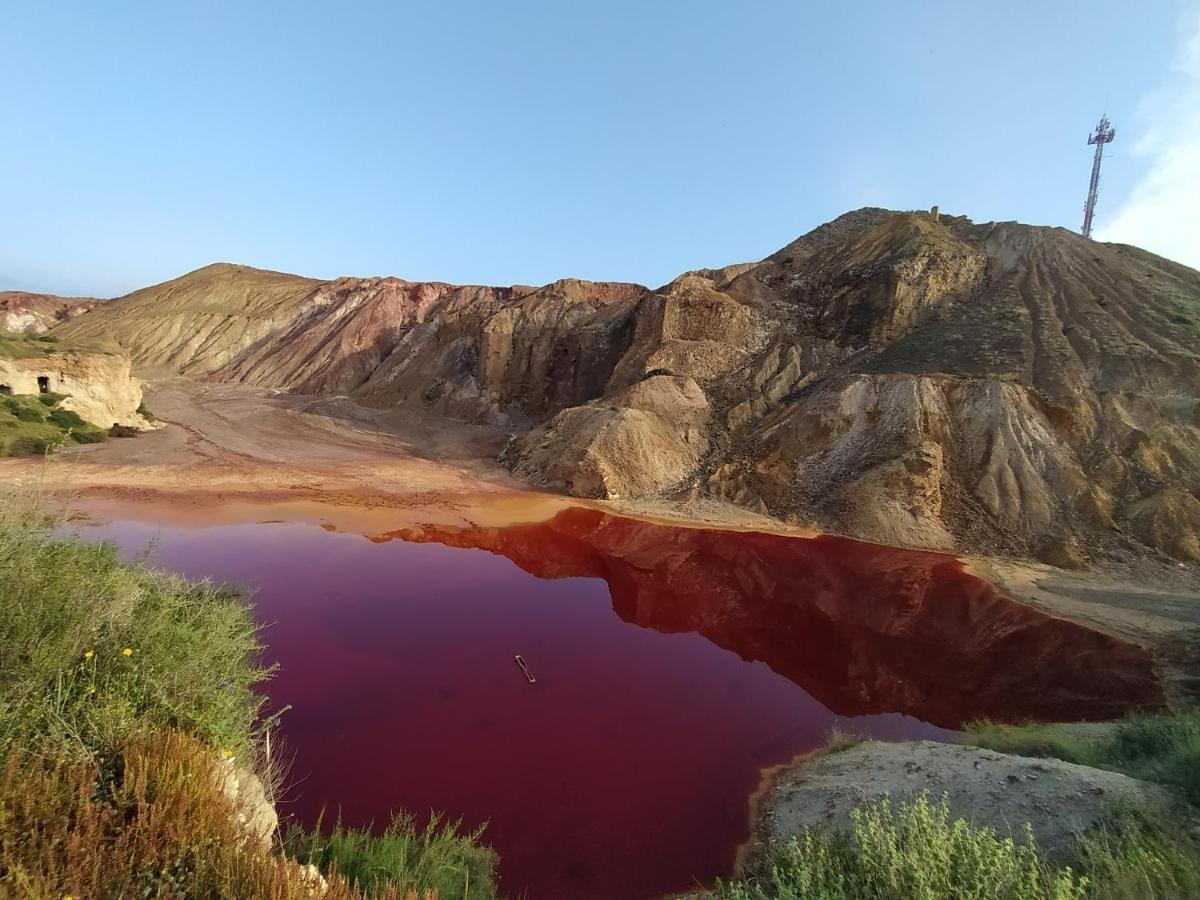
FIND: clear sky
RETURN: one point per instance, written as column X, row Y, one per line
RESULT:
column 526, row 141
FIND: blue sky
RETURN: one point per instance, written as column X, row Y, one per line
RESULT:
column 527, row 141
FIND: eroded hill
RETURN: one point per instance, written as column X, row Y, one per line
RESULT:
column 891, row 376
column 24, row 313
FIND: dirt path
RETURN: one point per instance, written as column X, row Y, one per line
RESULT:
column 228, row 442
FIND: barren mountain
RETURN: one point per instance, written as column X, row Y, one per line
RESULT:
column 23, row 312
column 894, row 376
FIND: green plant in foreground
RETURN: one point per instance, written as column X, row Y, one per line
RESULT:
column 907, row 851
column 439, row 857
column 69, row 610
column 1137, row 860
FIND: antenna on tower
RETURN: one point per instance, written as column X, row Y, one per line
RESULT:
column 1103, row 134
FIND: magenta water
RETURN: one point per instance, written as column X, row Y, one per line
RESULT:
column 672, row 666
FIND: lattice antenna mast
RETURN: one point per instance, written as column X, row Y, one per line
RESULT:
column 1103, row 135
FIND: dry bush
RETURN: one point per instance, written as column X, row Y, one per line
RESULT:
column 151, row 822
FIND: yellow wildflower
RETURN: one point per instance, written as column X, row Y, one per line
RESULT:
column 228, row 754
column 88, row 654
column 128, row 651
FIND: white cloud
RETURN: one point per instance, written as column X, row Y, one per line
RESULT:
column 1162, row 210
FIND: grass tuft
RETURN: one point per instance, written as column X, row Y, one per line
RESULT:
column 438, row 858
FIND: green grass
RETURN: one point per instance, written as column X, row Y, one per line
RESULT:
column 35, row 424
column 69, row 611
column 1138, row 860
column 910, row 851
column 438, row 857
column 32, row 346
column 1161, row 748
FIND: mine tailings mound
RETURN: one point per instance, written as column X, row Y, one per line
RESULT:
column 905, row 377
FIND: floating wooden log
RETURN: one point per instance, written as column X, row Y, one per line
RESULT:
column 525, row 668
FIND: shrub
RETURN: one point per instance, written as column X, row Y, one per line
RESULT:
column 912, row 850
column 51, row 399
column 89, row 435
column 24, row 413
column 145, row 413
column 31, row 446
column 654, row 372
column 66, row 418
column 153, row 822
column 438, row 858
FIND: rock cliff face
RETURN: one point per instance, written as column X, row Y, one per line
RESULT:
column 914, row 381
column 98, row 386
column 26, row 313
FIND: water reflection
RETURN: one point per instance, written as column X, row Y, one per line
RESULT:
column 862, row 628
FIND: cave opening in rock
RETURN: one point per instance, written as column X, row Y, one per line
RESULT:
column 44, row 384
column 5, row 390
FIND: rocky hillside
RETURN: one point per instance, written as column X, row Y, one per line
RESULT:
column 894, row 376
column 26, row 313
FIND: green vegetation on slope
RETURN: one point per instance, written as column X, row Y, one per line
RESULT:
column 123, row 693
column 30, row 346
column 36, row 424
column 1161, row 748
column 98, row 652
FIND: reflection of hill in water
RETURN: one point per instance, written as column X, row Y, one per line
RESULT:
column 861, row 627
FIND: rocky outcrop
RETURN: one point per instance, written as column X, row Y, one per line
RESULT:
column 256, row 813
column 901, row 377
column 25, row 313
column 98, row 386
column 1062, row 801
column 643, row 440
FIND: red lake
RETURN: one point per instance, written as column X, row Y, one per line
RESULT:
column 673, row 665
